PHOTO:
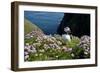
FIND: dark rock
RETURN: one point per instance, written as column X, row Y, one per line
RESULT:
column 78, row 23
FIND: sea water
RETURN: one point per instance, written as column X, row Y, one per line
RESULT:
column 47, row 21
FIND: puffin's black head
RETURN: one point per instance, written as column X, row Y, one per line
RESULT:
column 67, row 30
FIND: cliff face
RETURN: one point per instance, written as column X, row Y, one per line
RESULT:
column 29, row 27
column 78, row 23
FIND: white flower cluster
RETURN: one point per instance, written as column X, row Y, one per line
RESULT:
column 29, row 49
column 85, row 44
column 52, row 42
column 34, row 33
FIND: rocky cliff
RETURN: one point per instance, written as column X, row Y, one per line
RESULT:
column 78, row 23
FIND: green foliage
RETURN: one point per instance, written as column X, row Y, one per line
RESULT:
column 30, row 41
column 37, row 57
column 73, row 43
column 50, row 54
column 54, row 53
column 78, row 52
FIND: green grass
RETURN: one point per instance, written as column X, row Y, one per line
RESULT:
column 28, row 26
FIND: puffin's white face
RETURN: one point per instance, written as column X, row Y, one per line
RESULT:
column 67, row 29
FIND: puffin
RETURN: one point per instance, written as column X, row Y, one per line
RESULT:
column 66, row 36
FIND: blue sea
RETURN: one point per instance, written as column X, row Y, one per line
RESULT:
column 47, row 21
